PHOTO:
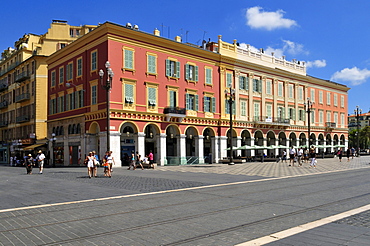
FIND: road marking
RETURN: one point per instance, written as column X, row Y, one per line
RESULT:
column 302, row 228
column 166, row 191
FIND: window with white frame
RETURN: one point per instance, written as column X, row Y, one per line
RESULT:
column 328, row 98
column 342, row 101
column 79, row 67
column 172, row 68
column 302, row 115
column 209, row 103
column 280, row 89
column 172, row 98
column 69, row 71
column 229, row 80
column 300, row 93
column 290, row 91
column 227, row 107
column 257, row 111
column 321, row 100
column 152, row 96
column 268, row 110
column 342, row 119
column 94, row 61
column 269, row 87
column 281, row 112
column 152, row 64
column 243, row 82
column 191, row 72
column 312, row 95
column 243, row 108
column 94, row 95
column 61, row 75
column 129, row 93
column 335, row 117
column 328, row 116
column 60, row 104
column 312, row 117
column 291, row 112
column 335, row 100
column 257, row 85
column 321, row 117
column 192, row 102
column 53, row 78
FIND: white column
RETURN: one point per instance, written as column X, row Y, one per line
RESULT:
column 223, row 146
column 162, row 153
column 253, row 152
column 238, row 144
column 140, row 146
column 182, row 148
column 215, row 149
column 277, row 150
column 115, row 147
column 199, row 148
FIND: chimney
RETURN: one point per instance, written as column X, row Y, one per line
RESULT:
column 178, row 39
column 157, row 32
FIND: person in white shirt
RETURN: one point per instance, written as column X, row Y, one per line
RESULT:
column 299, row 155
column 40, row 158
column 292, row 154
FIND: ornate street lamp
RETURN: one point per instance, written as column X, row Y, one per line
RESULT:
column 53, row 139
column 107, row 86
column 358, row 111
column 231, row 94
column 308, row 108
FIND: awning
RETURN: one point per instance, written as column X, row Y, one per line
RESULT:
column 31, row 147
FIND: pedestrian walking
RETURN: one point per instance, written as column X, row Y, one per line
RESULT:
column 29, row 163
column 340, row 154
column 138, row 161
column 106, row 166
column 313, row 158
column 96, row 164
column 284, row 156
column 151, row 159
column 40, row 158
column 299, row 156
column 348, row 153
column 90, row 164
column 353, row 152
column 132, row 161
column 111, row 162
column 292, row 154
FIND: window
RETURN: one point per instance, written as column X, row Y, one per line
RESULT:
column 209, row 104
column 94, row 61
column 328, row 98
column 229, row 80
column 173, row 98
column 312, row 95
column 79, row 95
column 290, row 91
column 243, row 108
column 321, row 97
column 61, row 75
column 243, row 83
column 302, row 115
column 312, row 116
column 257, row 111
column 52, row 106
column 328, row 116
column 60, row 104
column 227, row 107
column 129, row 93
column 291, row 113
column 94, row 98
column 172, row 68
column 280, row 89
column 269, row 87
column 336, row 117
column 281, row 112
column 152, row 96
column 268, row 110
column 152, row 64
column 191, row 102
column 321, row 117
column 257, row 85
column 335, row 100
column 70, row 71
column 300, row 93
column 209, row 76
column 53, row 78
column 342, row 101
column 128, row 59
column 342, row 119
column 79, row 67
column 191, row 72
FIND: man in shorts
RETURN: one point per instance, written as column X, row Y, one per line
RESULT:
column 40, row 158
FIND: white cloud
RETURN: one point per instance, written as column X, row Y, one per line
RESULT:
column 277, row 52
column 316, row 63
column 353, row 75
column 267, row 20
column 294, row 48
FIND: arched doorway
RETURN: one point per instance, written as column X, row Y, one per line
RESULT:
column 271, row 142
column 328, row 142
column 246, row 140
column 231, row 139
column 151, row 137
column 191, row 134
column 128, row 139
column 258, row 141
column 302, row 140
column 208, row 135
column 172, row 137
column 292, row 140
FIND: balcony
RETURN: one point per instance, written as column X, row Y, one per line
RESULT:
column 3, row 104
column 271, row 121
column 22, row 97
column 3, row 84
column 3, row 123
column 23, row 118
column 174, row 112
column 330, row 125
column 22, row 77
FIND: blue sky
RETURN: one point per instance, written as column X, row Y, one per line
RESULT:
column 331, row 36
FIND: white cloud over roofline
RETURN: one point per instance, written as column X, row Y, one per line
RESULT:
column 259, row 19
column 353, row 75
column 316, row 63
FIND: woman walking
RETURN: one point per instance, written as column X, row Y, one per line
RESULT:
column 90, row 164
column 340, row 154
column 29, row 163
column 348, row 153
column 110, row 161
column 313, row 158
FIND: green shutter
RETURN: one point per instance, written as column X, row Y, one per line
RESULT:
column 187, row 71
column 196, row 103
column 227, row 106
column 283, row 113
column 168, row 67
column 260, row 86
column 178, row 69
column 82, row 99
column 187, row 100
column 234, row 108
column 304, row 115
column 213, row 104
column 129, row 59
column 151, row 64
column 294, row 115
column 196, row 73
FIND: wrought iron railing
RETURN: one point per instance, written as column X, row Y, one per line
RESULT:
column 174, row 110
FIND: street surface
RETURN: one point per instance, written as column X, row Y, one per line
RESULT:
column 245, row 204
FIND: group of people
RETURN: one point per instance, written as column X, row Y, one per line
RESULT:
column 136, row 160
column 30, row 162
column 350, row 152
column 92, row 162
column 299, row 156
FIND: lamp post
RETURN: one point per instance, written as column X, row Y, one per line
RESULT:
column 231, row 94
column 358, row 111
column 53, row 140
column 107, row 86
column 308, row 108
